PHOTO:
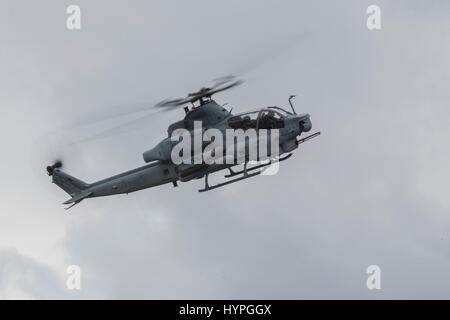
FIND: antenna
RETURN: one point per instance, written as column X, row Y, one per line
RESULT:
column 290, row 98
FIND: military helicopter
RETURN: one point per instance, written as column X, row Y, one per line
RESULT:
column 198, row 107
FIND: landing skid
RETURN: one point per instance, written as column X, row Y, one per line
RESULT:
column 245, row 173
column 208, row 187
column 235, row 173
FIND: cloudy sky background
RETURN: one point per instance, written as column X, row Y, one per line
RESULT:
column 372, row 189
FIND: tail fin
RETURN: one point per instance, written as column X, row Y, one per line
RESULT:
column 76, row 188
column 69, row 184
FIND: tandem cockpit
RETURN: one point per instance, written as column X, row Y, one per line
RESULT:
column 267, row 118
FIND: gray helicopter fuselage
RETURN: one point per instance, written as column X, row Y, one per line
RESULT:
column 212, row 115
column 161, row 170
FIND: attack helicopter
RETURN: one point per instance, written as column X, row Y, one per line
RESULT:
column 199, row 107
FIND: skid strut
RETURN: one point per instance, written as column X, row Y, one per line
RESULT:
column 245, row 174
column 208, row 187
column 235, row 173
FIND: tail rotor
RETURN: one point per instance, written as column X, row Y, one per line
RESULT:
column 51, row 169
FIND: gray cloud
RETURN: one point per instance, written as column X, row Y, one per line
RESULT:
column 22, row 277
column 370, row 190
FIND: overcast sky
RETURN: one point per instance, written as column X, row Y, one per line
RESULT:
column 372, row 189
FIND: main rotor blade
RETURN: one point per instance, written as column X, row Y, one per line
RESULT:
column 171, row 104
column 222, row 80
column 231, row 85
column 110, row 113
column 129, row 126
column 106, row 114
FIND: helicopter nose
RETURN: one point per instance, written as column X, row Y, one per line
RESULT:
column 305, row 123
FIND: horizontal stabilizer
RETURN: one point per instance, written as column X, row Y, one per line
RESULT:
column 77, row 198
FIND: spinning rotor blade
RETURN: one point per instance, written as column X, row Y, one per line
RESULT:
column 172, row 103
column 142, row 113
column 219, row 86
column 129, row 126
column 221, row 80
column 110, row 113
column 57, row 165
column 231, row 85
column 93, row 129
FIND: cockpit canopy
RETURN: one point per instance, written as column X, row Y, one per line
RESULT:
column 268, row 118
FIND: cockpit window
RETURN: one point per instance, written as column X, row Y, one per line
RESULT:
column 283, row 112
column 266, row 119
column 244, row 121
column 270, row 119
